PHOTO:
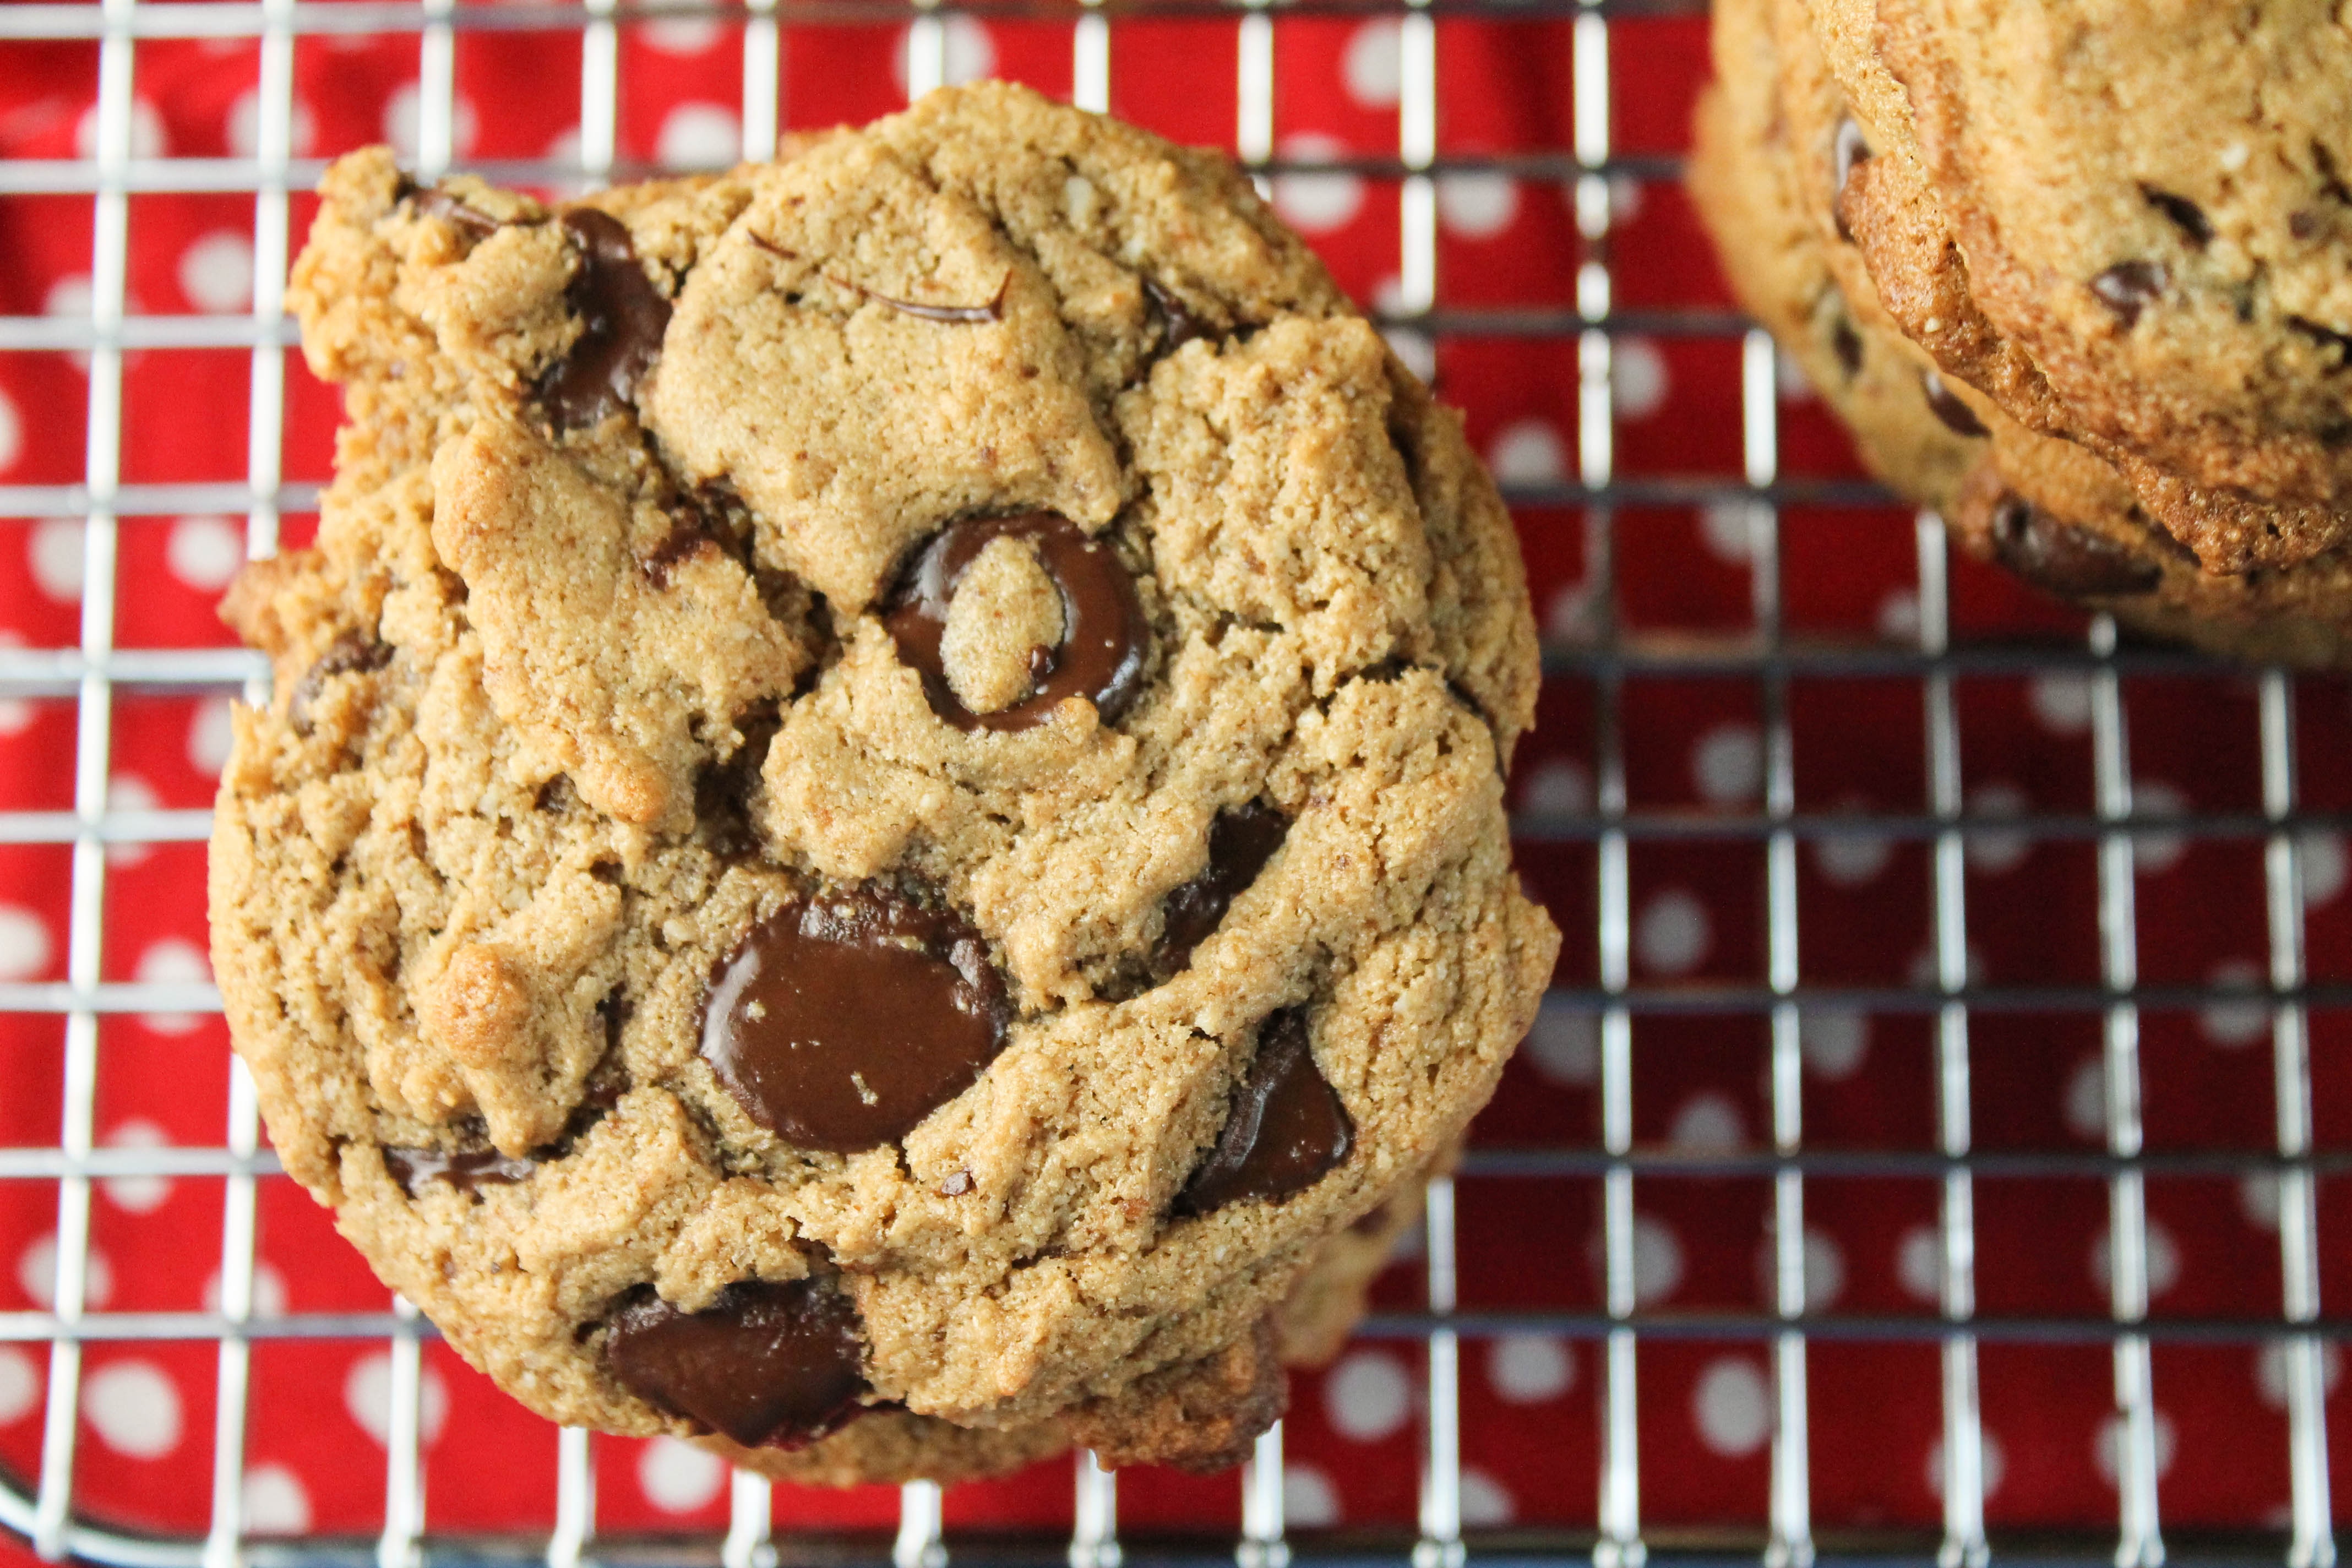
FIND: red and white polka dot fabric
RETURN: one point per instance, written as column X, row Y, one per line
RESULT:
column 1693, row 746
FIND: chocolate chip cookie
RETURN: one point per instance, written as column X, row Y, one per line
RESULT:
column 1783, row 149
column 880, row 838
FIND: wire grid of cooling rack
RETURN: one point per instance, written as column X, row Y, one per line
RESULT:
column 91, row 674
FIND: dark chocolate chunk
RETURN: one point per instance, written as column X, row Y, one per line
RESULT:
column 468, row 1171
column 1104, row 638
column 1241, row 841
column 687, row 537
column 2063, row 558
column 842, row 1022
column 1178, row 324
column 351, row 654
column 1957, row 416
column 435, row 202
column 621, row 318
column 764, row 1365
column 1286, row 1128
column 2185, row 216
column 1847, row 149
column 1846, row 343
column 2130, row 286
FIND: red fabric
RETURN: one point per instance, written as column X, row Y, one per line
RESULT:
column 1529, row 1403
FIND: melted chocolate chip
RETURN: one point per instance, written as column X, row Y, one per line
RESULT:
column 469, row 1172
column 2185, row 216
column 349, row 654
column 1847, row 149
column 1846, row 343
column 1286, row 1128
column 687, row 537
column 2063, row 558
column 622, row 317
column 1241, row 841
column 435, row 202
column 1946, row 405
column 2130, row 286
column 1178, row 324
column 764, row 1365
column 1102, row 633
column 841, row 1023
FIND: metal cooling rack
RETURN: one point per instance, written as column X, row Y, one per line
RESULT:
column 92, row 673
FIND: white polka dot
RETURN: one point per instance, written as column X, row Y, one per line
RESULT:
column 1992, row 1464
column 211, row 732
column 367, row 1395
column 2162, row 1255
column 24, row 943
column 55, row 546
column 1366, row 1397
column 276, row 1502
column 70, row 296
column 700, row 136
column 2258, row 1199
column 1850, row 859
column 2062, row 701
column 1657, row 1261
column 1898, row 615
column 134, row 1408
column 680, row 35
column 1824, row 1265
column 2108, row 1448
column 16, row 715
column 20, row 1385
column 139, row 1194
column 1484, row 1502
column 2273, row 1367
column 679, row 1477
column 1725, row 527
column 1373, row 66
column 1560, row 787
column 1727, row 764
column 170, row 960
column 2154, row 854
column 1316, row 202
column 1477, row 206
column 12, row 433
column 404, row 118
column 245, row 125
column 2233, row 1025
column 970, row 51
column 1565, row 1044
column 1789, row 379
column 269, row 1291
column 1637, row 377
column 1418, row 351
column 1528, row 1369
column 1833, row 1041
column 36, row 1271
column 1672, row 935
column 216, row 271
column 146, row 131
column 1992, row 851
column 1310, row 1500
column 2086, row 1098
column 1707, row 1123
column 1529, row 452
column 1624, row 197
column 2320, row 860
column 1920, row 1262
column 1733, row 1404
column 129, row 792
column 1568, row 617
column 205, row 553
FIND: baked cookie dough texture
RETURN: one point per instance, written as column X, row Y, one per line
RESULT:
column 880, row 836
column 2079, row 275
